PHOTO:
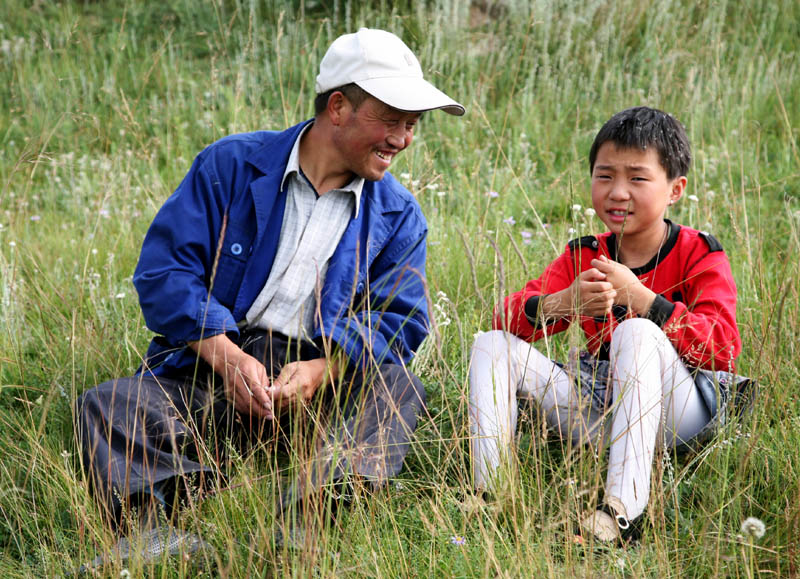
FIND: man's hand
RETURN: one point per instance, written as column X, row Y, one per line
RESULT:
column 298, row 381
column 630, row 291
column 245, row 378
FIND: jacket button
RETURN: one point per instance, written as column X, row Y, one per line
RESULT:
column 236, row 249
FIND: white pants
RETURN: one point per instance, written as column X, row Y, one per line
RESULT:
column 653, row 393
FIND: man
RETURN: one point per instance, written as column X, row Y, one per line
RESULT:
column 288, row 267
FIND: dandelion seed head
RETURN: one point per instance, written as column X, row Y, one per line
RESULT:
column 12, row 243
column 120, row 295
column 753, row 527
column 65, row 454
column 94, row 251
column 571, row 231
column 576, row 207
column 694, row 198
column 441, row 193
column 590, row 212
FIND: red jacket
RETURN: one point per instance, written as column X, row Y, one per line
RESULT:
column 696, row 303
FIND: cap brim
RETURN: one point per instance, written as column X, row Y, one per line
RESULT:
column 411, row 94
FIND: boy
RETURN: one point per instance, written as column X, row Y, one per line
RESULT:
column 655, row 300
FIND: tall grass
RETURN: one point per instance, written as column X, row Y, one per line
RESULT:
column 104, row 105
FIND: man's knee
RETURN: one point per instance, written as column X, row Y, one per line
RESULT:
column 402, row 385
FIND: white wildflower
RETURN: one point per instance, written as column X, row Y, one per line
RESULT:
column 576, row 207
column 694, row 198
column 753, row 527
column 120, row 295
column 589, row 212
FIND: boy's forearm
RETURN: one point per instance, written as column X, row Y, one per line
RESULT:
column 557, row 305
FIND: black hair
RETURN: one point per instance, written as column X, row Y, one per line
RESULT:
column 352, row 92
column 642, row 127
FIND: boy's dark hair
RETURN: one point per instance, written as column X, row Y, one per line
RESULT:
column 352, row 92
column 642, row 127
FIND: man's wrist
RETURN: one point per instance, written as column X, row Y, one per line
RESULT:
column 218, row 351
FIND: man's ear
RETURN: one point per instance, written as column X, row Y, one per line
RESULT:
column 678, row 187
column 337, row 107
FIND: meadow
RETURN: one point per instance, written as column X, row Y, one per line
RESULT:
column 103, row 106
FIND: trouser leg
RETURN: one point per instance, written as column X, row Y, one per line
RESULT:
column 371, row 418
column 503, row 369
column 653, row 392
column 138, row 434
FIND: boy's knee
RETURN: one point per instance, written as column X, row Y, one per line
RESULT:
column 635, row 329
column 491, row 342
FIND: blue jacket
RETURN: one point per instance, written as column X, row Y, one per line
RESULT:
column 210, row 248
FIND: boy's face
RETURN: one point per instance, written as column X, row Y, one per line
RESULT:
column 630, row 191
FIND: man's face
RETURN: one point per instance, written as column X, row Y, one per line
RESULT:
column 631, row 191
column 369, row 137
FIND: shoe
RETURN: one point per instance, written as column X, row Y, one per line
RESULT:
column 149, row 545
column 610, row 523
column 293, row 537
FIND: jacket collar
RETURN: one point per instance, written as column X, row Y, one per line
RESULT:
column 274, row 155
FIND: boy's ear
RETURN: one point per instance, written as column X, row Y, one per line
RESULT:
column 678, row 186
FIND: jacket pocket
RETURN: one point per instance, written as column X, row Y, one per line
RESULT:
column 235, row 250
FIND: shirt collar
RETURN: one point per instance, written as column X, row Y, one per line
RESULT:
column 355, row 186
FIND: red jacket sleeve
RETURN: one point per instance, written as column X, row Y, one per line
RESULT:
column 703, row 327
column 510, row 315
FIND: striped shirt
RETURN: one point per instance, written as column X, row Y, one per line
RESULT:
column 312, row 227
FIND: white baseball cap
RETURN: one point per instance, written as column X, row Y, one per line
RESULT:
column 381, row 64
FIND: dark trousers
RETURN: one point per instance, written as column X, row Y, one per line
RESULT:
column 144, row 437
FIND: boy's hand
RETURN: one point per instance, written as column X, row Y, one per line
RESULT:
column 630, row 291
column 595, row 294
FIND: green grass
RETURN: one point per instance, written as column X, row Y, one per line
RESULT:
column 102, row 108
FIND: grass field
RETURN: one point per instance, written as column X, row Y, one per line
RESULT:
column 103, row 106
